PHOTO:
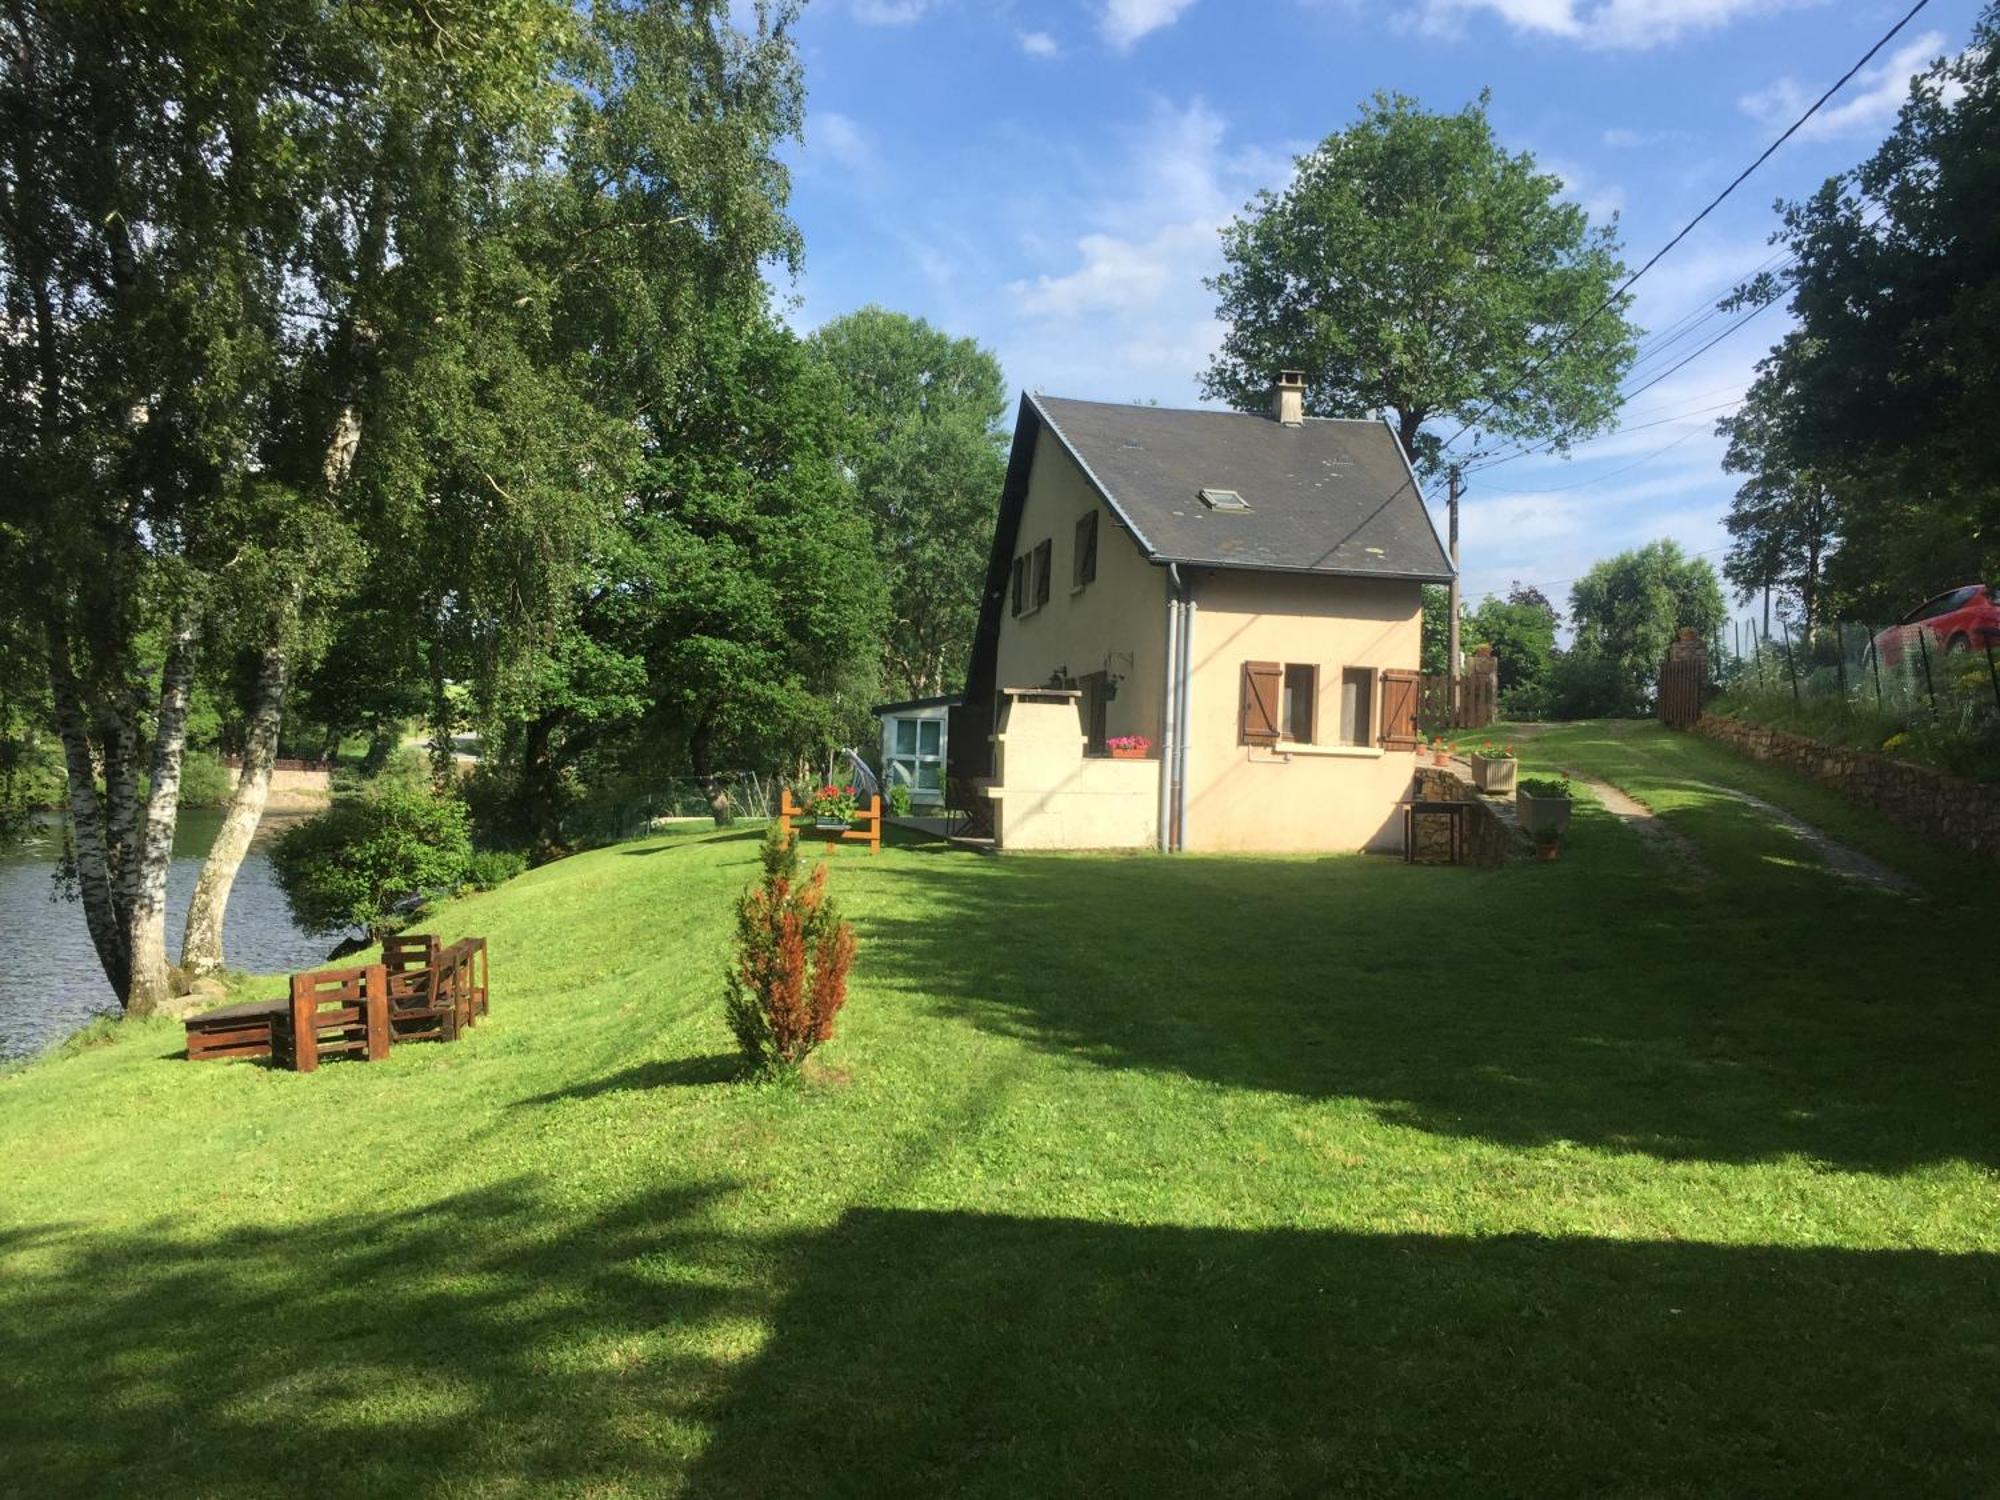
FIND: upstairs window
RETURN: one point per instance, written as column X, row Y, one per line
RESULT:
column 1085, row 570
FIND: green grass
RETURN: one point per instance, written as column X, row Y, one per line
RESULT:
column 1125, row 1176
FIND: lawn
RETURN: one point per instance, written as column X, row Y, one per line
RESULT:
column 1218, row 1176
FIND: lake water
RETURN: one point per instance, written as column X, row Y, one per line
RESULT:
column 50, row 981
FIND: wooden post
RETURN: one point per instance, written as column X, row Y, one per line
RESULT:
column 875, row 824
column 305, row 1028
column 1930, row 686
column 787, row 810
column 375, row 1010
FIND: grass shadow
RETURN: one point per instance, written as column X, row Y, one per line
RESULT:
column 1590, row 1000
column 673, row 1073
column 954, row 1353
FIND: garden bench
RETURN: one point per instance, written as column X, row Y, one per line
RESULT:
column 421, row 990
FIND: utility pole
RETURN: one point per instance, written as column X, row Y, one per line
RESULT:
column 1451, row 650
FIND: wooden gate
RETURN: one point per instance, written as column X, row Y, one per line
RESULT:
column 1683, row 675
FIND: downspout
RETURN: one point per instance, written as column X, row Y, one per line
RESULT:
column 1183, row 696
column 1169, row 717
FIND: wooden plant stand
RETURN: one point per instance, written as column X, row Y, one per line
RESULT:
column 865, row 827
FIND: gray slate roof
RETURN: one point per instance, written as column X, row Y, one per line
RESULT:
column 1334, row 496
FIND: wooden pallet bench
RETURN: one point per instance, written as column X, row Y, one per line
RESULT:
column 421, row 991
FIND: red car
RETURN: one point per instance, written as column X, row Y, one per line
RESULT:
column 1965, row 619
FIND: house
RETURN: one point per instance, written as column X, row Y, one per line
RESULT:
column 1243, row 592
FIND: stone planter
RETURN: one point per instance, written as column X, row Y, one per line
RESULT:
column 1494, row 777
column 1539, row 814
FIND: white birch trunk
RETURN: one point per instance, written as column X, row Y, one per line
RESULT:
column 201, row 942
column 87, row 821
column 151, row 990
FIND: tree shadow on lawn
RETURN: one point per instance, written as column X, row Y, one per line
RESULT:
column 1581, row 1001
column 498, row 1342
column 668, row 1073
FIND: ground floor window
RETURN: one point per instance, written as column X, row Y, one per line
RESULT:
column 916, row 756
column 1357, row 700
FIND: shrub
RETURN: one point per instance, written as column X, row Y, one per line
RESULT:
column 205, row 780
column 490, row 869
column 1586, row 685
column 899, row 799
column 789, row 978
column 348, row 866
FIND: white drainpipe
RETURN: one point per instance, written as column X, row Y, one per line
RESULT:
column 1183, row 698
column 1169, row 717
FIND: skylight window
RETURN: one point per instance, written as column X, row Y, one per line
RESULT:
column 1223, row 500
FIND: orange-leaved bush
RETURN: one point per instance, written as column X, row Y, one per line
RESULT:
column 789, row 977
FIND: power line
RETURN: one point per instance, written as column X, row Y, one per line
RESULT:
column 1637, row 463
column 1689, row 227
column 1700, row 411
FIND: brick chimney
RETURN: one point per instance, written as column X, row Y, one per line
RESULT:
column 1288, row 398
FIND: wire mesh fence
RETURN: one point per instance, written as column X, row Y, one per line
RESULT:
column 1897, row 687
column 673, row 802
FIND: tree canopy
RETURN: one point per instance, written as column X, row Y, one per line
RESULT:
column 928, row 454
column 1627, row 609
column 1865, row 438
column 1413, row 266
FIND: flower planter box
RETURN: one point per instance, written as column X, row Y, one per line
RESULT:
column 1494, row 777
column 1539, row 814
column 1129, row 752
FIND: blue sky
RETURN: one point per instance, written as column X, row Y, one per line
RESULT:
column 1048, row 176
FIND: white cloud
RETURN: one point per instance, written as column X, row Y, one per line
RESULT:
column 1126, row 21
column 1618, row 138
column 1867, row 106
column 843, row 140
column 889, row 12
column 1630, row 25
column 1039, row 44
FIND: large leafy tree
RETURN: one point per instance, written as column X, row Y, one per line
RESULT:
column 927, row 453
column 1884, row 394
column 1521, row 629
column 1782, row 521
column 1627, row 609
column 1415, row 267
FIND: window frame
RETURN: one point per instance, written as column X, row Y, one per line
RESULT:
column 1083, row 565
column 1292, row 671
column 1365, row 701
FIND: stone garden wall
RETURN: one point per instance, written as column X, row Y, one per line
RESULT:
column 1926, row 802
column 1490, row 832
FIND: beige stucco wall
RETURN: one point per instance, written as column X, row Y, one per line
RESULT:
column 1116, row 624
column 1052, row 796
column 1252, row 798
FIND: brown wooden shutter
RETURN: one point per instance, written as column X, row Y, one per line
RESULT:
column 1263, row 681
column 1086, row 549
column 1020, row 577
column 1399, row 711
column 1044, row 560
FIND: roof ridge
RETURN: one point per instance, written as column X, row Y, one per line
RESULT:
column 1187, row 411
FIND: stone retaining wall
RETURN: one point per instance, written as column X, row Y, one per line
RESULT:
column 1930, row 803
column 1490, row 832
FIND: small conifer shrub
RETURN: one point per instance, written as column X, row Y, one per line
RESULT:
column 788, row 979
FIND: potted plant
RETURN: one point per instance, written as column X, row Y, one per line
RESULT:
column 1440, row 749
column 1543, row 804
column 1493, row 768
column 833, row 808
column 1547, row 842
column 1128, row 746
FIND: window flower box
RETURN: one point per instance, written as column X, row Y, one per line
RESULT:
column 1128, row 747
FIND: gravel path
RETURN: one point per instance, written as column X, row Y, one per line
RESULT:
column 1641, row 819
column 1840, row 859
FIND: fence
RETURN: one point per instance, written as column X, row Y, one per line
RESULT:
column 1475, row 704
column 751, row 794
column 1859, row 684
